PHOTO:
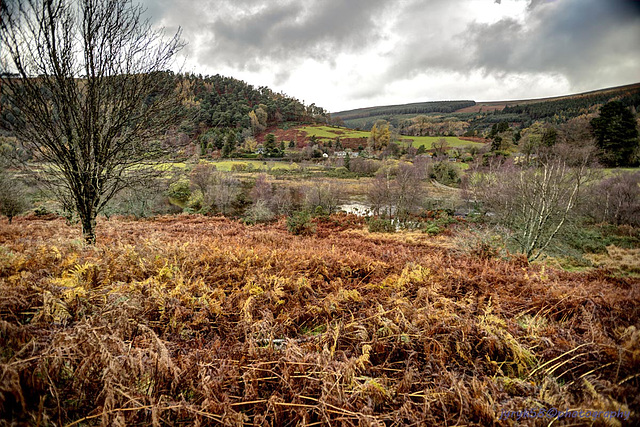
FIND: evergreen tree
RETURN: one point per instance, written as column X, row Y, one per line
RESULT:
column 616, row 134
column 549, row 137
column 229, row 144
column 270, row 143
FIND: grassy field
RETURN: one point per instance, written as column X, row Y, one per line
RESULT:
column 227, row 165
column 428, row 141
column 331, row 133
column 198, row 320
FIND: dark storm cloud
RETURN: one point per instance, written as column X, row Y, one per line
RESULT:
column 293, row 30
column 589, row 42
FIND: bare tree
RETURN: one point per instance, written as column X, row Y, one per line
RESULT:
column 401, row 194
column 203, row 177
column 226, row 189
column 326, row 195
column 380, row 193
column 535, row 202
column 87, row 83
column 408, row 190
column 616, row 199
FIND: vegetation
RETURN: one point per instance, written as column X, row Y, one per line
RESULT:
column 492, row 267
column 100, row 132
column 573, row 106
column 474, row 120
column 190, row 319
column 616, row 132
column 375, row 113
column 12, row 197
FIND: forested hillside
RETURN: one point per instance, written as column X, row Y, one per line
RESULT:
column 559, row 110
column 225, row 102
column 217, row 105
column 414, row 108
column 478, row 117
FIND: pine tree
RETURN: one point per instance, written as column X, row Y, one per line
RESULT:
column 616, row 134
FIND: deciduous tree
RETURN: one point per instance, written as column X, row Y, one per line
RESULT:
column 535, row 202
column 89, row 92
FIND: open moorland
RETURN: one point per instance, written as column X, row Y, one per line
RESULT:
column 204, row 320
column 179, row 249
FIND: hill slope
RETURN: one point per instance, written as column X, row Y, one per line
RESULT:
column 558, row 108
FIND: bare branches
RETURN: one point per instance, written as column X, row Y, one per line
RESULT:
column 90, row 92
column 536, row 201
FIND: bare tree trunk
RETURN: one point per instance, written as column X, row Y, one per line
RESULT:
column 89, row 228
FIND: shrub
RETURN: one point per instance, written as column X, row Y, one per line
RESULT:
column 238, row 167
column 432, row 229
column 12, row 202
column 380, row 225
column 258, row 212
column 364, row 167
column 445, row 173
column 299, row 223
column 41, row 210
column 615, row 199
column 179, row 192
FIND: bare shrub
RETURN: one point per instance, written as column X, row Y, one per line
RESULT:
column 535, row 202
column 12, row 196
column 323, row 196
column 397, row 191
column 365, row 167
column 615, row 199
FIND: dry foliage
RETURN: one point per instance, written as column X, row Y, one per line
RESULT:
column 195, row 320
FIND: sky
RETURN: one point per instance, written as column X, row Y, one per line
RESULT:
column 346, row 54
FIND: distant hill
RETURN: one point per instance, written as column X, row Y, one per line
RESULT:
column 414, row 108
column 365, row 117
column 587, row 98
column 554, row 109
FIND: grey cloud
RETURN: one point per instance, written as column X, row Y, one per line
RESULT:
column 292, row 31
column 590, row 42
column 432, row 40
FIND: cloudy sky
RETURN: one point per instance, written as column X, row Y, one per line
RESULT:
column 343, row 54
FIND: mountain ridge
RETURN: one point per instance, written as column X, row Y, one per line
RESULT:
column 506, row 101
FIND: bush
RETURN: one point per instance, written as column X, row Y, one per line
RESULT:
column 299, row 223
column 258, row 212
column 445, row 173
column 41, row 210
column 179, row 192
column 238, row 167
column 615, row 200
column 12, row 197
column 340, row 172
column 364, row 167
column 431, row 228
column 380, row 225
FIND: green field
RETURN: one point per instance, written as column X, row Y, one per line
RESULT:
column 329, row 132
column 428, row 141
